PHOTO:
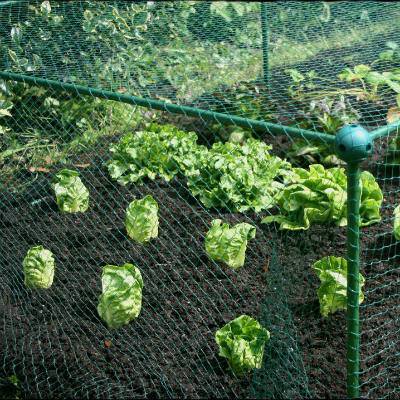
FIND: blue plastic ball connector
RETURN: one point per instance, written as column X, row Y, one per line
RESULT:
column 353, row 143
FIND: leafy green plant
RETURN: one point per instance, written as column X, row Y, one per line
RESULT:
column 141, row 219
column 332, row 292
column 229, row 244
column 326, row 115
column 391, row 53
column 301, row 83
column 373, row 84
column 392, row 156
column 71, row 194
column 242, row 343
column 159, row 151
column 39, row 266
column 320, row 196
column 238, row 177
column 121, row 298
column 396, row 223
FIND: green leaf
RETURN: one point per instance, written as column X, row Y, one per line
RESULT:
column 332, row 292
column 121, row 298
column 320, row 196
column 396, row 224
column 71, row 194
column 387, row 55
column 242, row 343
column 141, row 220
column 39, row 268
column 295, row 75
column 228, row 244
column 238, row 177
column 359, row 72
column 159, row 151
column 371, row 200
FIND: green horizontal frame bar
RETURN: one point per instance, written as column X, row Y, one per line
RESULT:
column 385, row 130
column 226, row 119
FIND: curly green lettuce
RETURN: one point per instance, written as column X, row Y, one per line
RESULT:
column 159, row 151
column 227, row 244
column 238, row 177
column 320, row 196
column 141, row 219
column 39, row 268
column 71, row 194
column 332, row 292
column 121, row 298
column 242, row 343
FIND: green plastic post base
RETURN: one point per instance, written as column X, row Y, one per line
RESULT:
column 353, row 144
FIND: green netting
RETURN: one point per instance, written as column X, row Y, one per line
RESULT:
column 211, row 108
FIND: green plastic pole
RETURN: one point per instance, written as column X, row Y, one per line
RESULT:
column 353, row 284
column 264, row 33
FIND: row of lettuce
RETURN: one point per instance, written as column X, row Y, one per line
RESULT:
column 232, row 176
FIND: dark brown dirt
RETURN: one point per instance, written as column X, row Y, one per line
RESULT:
column 57, row 345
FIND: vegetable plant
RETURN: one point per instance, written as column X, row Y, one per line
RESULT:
column 327, row 115
column 71, row 194
column 373, row 83
column 391, row 53
column 242, row 343
column 238, row 177
column 396, row 225
column 229, row 244
column 121, row 298
column 319, row 195
column 332, row 292
column 141, row 220
column 159, row 151
column 39, row 266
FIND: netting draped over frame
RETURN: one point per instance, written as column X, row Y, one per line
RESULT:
column 196, row 149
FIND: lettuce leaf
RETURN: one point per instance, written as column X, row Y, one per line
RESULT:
column 71, row 194
column 238, row 177
column 371, row 200
column 141, row 220
column 159, row 151
column 228, row 244
column 121, row 300
column 320, row 195
column 39, row 268
column 332, row 293
column 242, row 342
column 396, row 225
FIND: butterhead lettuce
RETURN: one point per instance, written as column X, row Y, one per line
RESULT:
column 227, row 244
column 121, row 298
column 242, row 343
column 332, row 292
column 320, row 195
column 39, row 268
column 141, row 219
column 71, row 194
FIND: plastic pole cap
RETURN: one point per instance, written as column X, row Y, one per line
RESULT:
column 353, row 143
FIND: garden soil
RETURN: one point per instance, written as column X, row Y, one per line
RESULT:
column 57, row 345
